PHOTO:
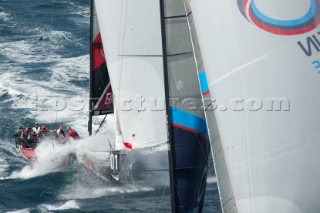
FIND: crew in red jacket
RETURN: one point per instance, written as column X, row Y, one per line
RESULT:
column 44, row 131
column 72, row 133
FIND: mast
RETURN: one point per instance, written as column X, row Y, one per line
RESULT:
column 91, row 69
column 167, row 99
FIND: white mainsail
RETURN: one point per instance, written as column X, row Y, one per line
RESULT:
column 258, row 54
column 149, row 57
column 131, row 34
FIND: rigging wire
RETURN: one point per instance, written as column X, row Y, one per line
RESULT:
column 163, row 194
column 121, row 61
column 102, row 122
column 57, row 102
column 50, row 58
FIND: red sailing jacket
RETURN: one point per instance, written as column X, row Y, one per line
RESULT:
column 74, row 134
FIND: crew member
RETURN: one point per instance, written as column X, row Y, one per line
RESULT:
column 60, row 133
column 33, row 139
column 72, row 133
column 36, row 128
column 44, row 131
column 18, row 135
column 25, row 137
column 44, row 128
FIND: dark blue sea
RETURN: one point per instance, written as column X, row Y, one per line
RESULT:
column 44, row 77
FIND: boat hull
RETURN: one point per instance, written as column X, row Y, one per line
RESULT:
column 105, row 165
column 27, row 153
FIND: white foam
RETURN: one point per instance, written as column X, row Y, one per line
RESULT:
column 80, row 10
column 19, row 211
column 23, row 52
column 71, row 204
column 28, row 93
column 49, row 159
column 71, row 69
column 3, row 166
column 51, row 155
column 81, row 191
column 4, row 16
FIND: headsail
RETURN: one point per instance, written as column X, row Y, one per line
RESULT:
column 100, row 87
column 190, row 146
column 131, row 32
column 261, row 60
column 149, row 53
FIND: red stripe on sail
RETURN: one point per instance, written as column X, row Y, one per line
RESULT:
column 191, row 130
column 97, row 52
column 106, row 101
column 285, row 32
column 206, row 93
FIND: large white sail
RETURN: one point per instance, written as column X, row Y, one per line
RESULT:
column 262, row 63
column 131, row 34
column 224, row 186
column 149, row 55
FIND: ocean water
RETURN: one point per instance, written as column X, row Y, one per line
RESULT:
column 44, row 77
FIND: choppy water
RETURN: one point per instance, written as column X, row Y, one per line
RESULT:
column 44, row 71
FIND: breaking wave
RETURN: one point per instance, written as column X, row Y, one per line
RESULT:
column 71, row 204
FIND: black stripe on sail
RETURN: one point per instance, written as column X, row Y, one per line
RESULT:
column 91, row 68
column 101, row 79
column 166, row 88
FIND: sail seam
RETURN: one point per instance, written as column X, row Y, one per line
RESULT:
column 168, row 55
column 141, row 55
column 177, row 54
column 179, row 16
column 225, row 203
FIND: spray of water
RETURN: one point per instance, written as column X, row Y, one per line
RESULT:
column 53, row 156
